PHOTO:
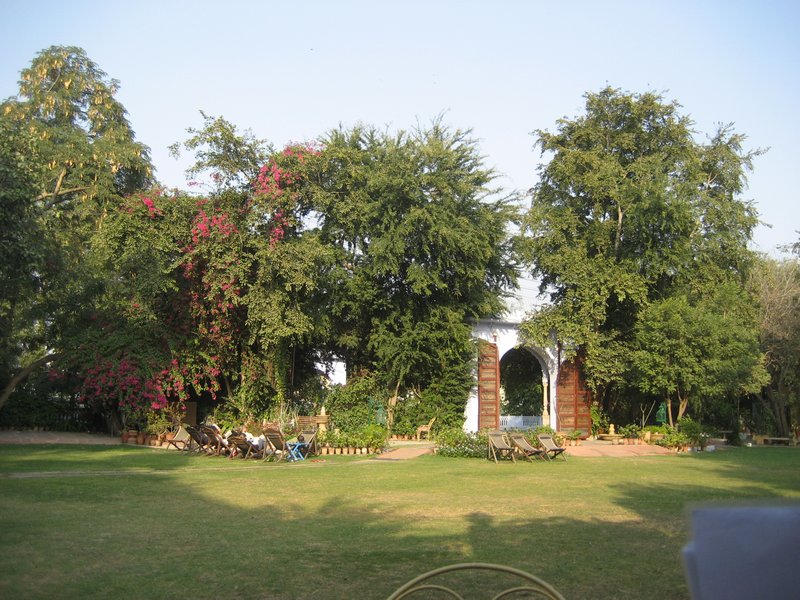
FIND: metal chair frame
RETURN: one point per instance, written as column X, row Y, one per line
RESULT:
column 532, row 583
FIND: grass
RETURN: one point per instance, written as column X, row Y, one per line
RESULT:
column 99, row 522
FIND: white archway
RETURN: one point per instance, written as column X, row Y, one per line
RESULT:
column 505, row 335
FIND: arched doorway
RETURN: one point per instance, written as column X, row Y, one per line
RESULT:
column 523, row 389
column 495, row 339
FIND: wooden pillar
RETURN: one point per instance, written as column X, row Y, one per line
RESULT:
column 488, row 386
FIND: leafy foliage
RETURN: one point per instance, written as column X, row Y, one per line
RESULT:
column 777, row 287
column 457, row 443
column 635, row 225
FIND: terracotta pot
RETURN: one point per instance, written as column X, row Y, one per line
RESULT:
column 140, row 438
column 125, row 437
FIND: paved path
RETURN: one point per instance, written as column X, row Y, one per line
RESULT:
column 406, row 450
column 57, row 437
column 593, row 448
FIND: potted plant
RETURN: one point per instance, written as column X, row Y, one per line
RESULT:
column 374, row 438
column 158, row 423
column 694, row 432
column 574, row 437
column 630, row 433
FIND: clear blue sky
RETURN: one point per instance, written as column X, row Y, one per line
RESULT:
column 290, row 71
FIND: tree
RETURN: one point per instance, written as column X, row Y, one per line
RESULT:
column 631, row 210
column 421, row 247
column 777, row 286
column 69, row 154
column 687, row 352
column 232, row 159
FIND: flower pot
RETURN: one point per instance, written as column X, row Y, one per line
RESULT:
column 125, row 437
column 140, row 438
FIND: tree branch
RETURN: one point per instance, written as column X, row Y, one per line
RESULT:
column 23, row 373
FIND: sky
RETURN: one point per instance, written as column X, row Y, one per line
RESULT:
column 291, row 71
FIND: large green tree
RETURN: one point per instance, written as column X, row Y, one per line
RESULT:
column 68, row 154
column 422, row 244
column 632, row 210
column 777, row 285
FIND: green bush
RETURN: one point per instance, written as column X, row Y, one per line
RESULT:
column 630, row 431
column 457, row 443
column 410, row 413
column 356, row 404
column 674, row 439
column 599, row 419
column 38, row 403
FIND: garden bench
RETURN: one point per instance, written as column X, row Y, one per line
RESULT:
column 769, row 441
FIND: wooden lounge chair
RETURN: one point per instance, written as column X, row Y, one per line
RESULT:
column 181, row 440
column 199, row 438
column 499, row 446
column 551, row 450
column 283, row 450
column 218, row 445
column 309, row 440
column 523, row 446
column 425, row 429
column 244, row 447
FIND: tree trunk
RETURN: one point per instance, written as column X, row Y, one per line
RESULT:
column 23, row 373
column 390, row 407
column 683, row 402
column 618, row 239
column 776, row 403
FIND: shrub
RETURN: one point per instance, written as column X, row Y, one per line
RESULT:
column 630, row 431
column 599, row 419
column 457, row 443
column 353, row 406
column 674, row 439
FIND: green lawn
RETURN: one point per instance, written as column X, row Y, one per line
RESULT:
column 101, row 522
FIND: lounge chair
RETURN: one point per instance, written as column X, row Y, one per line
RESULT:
column 218, row 444
column 241, row 445
column 551, row 450
column 199, row 438
column 425, row 429
column 499, row 446
column 523, row 446
column 309, row 438
column 283, row 450
column 181, row 440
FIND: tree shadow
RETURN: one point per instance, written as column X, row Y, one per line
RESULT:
column 249, row 530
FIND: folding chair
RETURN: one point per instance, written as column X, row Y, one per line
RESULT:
column 181, row 440
column 284, row 450
column 551, row 450
column 499, row 446
column 199, row 438
column 523, row 446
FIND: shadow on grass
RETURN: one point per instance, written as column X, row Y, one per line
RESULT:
column 341, row 529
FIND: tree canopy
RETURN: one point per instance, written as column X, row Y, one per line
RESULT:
column 376, row 248
column 631, row 212
column 68, row 155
